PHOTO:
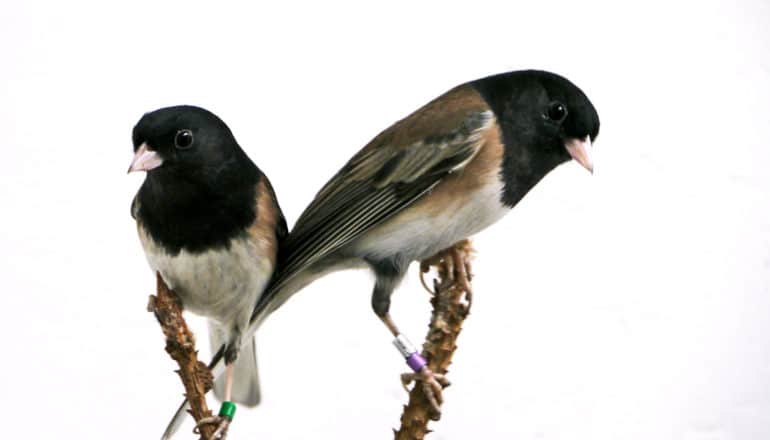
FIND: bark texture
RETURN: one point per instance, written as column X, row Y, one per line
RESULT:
column 451, row 305
column 180, row 345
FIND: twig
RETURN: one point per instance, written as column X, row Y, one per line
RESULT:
column 449, row 312
column 180, row 345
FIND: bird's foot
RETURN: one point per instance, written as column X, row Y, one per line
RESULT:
column 432, row 385
column 223, row 423
column 457, row 263
column 459, row 270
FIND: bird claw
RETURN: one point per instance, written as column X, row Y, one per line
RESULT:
column 425, row 285
column 458, row 270
column 223, row 423
column 461, row 273
column 432, row 385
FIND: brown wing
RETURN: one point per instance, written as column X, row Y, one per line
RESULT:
column 389, row 174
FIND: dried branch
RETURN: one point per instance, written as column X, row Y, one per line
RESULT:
column 451, row 305
column 180, row 345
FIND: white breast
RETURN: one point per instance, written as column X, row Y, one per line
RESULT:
column 417, row 234
column 222, row 284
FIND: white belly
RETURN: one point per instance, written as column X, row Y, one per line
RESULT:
column 417, row 234
column 222, row 284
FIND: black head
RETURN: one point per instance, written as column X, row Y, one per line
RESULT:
column 545, row 120
column 200, row 185
column 185, row 140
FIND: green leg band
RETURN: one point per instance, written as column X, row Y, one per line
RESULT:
column 227, row 410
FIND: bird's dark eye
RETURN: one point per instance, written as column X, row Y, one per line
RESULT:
column 183, row 139
column 556, row 111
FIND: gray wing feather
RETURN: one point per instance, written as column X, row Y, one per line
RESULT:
column 374, row 185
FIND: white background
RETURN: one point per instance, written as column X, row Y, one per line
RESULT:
column 633, row 304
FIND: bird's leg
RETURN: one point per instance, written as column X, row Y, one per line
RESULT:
column 227, row 411
column 432, row 384
column 388, row 321
column 229, row 381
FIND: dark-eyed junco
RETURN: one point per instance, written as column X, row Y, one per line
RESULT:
column 210, row 224
column 440, row 175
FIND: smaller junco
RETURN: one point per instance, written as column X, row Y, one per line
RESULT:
column 210, row 224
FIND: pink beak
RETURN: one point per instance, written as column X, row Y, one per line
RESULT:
column 580, row 150
column 145, row 160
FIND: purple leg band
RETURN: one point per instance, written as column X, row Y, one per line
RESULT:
column 416, row 362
